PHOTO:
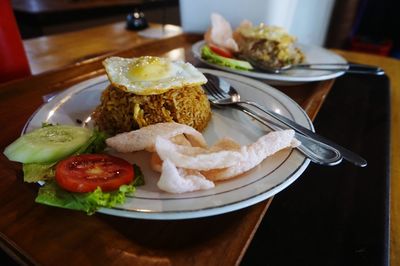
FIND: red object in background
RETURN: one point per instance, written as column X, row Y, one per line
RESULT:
column 368, row 46
column 13, row 61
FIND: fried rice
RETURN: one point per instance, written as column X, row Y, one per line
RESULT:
column 122, row 111
column 269, row 45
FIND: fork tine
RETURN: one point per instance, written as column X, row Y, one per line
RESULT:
column 209, row 88
column 216, row 90
column 213, row 80
column 213, row 90
column 209, row 92
column 213, row 87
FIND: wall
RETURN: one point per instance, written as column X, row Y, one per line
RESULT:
column 306, row 19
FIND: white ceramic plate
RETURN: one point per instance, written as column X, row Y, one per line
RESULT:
column 313, row 54
column 271, row 176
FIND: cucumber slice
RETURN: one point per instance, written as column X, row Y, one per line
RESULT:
column 47, row 144
column 212, row 57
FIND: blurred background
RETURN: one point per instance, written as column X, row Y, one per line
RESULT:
column 360, row 25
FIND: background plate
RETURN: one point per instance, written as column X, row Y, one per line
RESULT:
column 313, row 54
column 268, row 178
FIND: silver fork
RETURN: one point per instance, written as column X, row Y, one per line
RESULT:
column 317, row 151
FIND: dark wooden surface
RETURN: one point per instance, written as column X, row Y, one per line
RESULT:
column 45, row 235
column 44, row 53
column 338, row 215
column 42, row 17
column 50, row 6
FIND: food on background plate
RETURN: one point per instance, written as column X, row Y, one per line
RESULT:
column 59, row 156
column 270, row 46
column 220, row 35
column 209, row 55
column 221, row 47
column 148, row 90
column 193, row 165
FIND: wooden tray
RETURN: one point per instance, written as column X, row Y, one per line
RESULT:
column 34, row 233
column 338, row 215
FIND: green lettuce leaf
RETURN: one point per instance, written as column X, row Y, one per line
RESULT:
column 34, row 172
column 95, row 144
column 47, row 124
column 51, row 194
column 208, row 55
column 139, row 177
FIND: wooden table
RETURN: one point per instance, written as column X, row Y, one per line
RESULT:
column 44, row 53
column 392, row 69
column 103, row 239
column 36, row 17
column 49, row 6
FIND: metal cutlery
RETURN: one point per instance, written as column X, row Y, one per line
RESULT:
column 317, row 152
column 347, row 67
column 221, row 93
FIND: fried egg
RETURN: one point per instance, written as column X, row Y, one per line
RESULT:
column 149, row 75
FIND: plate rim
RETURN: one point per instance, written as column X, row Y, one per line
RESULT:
column 282, row 79
column 208, row 211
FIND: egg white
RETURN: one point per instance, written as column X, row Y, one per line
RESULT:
column 149, row 75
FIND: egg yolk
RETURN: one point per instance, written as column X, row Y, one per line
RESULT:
column 148, row 68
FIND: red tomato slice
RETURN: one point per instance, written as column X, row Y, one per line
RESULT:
column 86, row 172
column 221, row 51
